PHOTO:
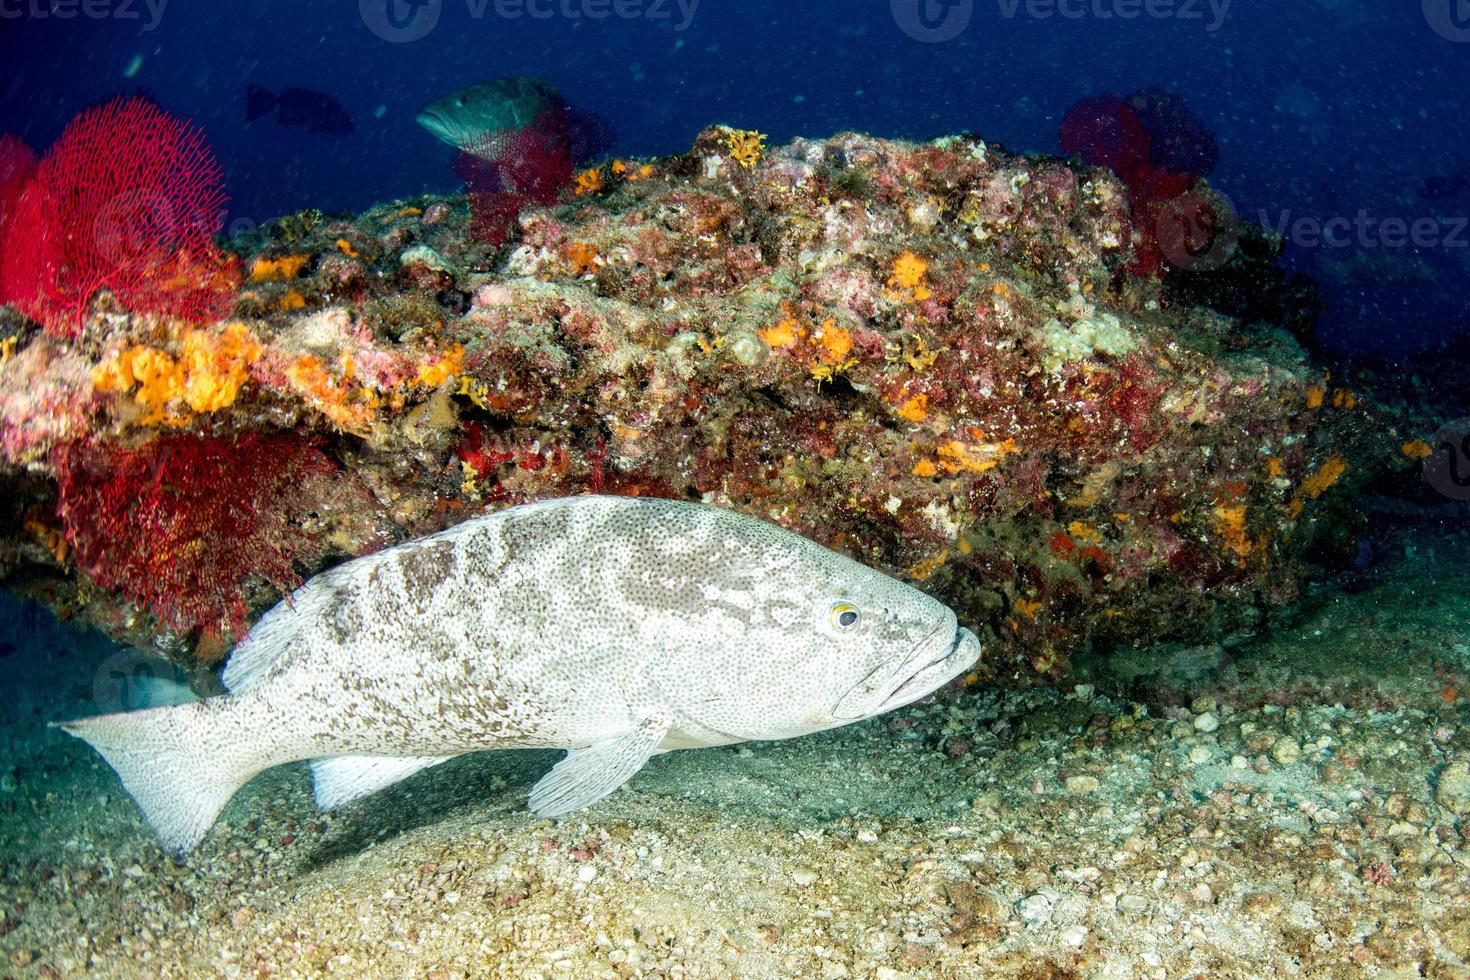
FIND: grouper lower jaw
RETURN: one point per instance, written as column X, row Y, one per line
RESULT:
column 938, row 657
column 961, row 655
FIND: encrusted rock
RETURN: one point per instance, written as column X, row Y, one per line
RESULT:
column 931, row 357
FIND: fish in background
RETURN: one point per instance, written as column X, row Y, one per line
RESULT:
column 485, row 119
column 316, row 112
column 1443, row 187
column 518, row 141
column 501, row 105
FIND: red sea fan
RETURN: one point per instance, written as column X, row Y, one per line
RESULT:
column 1159, row 150
column 505, row 171
column 128, row 199
column 1106, row 132
column 537, row 161
column 1179, row 140
column 179, row 526
column 17, row 164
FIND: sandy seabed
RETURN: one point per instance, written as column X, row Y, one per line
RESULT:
column 1295, row 804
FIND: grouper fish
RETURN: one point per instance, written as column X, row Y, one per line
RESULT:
column 464, row 119
column 614, row 627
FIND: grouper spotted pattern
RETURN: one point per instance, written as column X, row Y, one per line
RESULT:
column 615, row 628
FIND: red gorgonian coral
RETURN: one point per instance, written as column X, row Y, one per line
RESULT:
column 1160, row 151
column 179, row 526
column 128, row 200
column 17, row 164
column 508, row 170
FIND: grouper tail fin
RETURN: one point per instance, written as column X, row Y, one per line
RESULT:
column 181, row 764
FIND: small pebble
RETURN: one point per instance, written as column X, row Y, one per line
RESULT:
column 803, row 876
column 1081, row 785
column 1199, row 755
column 1452, row 790
column 1035, row 909
column 1206, row 722
column 1286, row 751
column 586, row 872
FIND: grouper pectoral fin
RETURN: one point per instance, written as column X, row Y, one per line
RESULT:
column 340, row 779
column 587, row 775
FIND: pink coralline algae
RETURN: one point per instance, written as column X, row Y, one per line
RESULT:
column 930, row 357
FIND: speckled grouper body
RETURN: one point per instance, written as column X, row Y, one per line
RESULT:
column 613, row 627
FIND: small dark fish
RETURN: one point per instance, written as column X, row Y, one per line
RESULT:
column 1439, row 187
column 316, row 112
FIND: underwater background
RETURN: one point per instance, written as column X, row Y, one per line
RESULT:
column 1209, row 516
column 1322, row 108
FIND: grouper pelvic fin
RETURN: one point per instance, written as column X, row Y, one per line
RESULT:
column 587, row 775
column 339, row 780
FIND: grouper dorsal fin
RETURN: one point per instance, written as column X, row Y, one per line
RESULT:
column 280, row 629
column 275, row 633
column 587, row 775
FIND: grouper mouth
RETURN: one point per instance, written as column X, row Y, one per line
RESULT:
column 931, row 665
column 947, row 664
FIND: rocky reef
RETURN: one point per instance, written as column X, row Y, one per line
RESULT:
column 932, row 357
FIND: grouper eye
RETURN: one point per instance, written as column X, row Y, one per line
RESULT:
column 845, row 617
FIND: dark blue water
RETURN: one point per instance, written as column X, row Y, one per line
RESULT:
column 1343, row 115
